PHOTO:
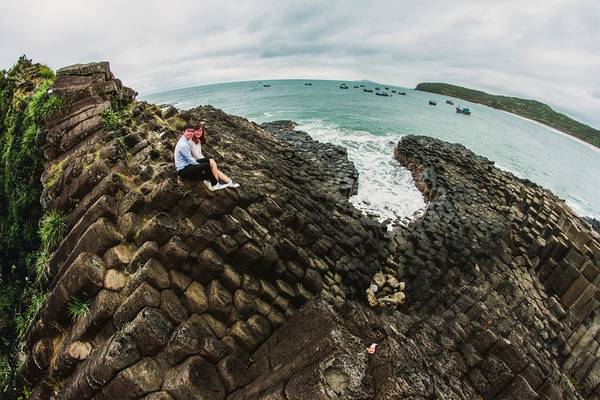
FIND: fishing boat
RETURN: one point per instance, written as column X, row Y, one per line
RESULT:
column 394, row 91
column 355, row 87
column 402, row 93
column 343, row 86
column 377, row 88
column 382, row 94
column 362, row 85
column 433, row 103
column 387, row 88
column 368, row 90
column 450, row 102
column 463, row 110
column 266, row 85
column 307, row 84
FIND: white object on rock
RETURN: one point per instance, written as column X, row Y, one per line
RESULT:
column 372, row 348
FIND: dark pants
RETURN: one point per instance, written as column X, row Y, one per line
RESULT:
column 198, row 172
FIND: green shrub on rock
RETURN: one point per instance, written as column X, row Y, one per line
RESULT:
column 25, row 104
column 78, row 308
column 111, row 120
column 53, row 228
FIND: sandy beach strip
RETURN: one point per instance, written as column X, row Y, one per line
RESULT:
column 591, row 146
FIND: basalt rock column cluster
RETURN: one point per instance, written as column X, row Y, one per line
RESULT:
column 259, row 292
column 501, row 300
column 183, row 284
column 515, row 262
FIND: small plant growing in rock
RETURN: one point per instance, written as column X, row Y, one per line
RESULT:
column 6, row 372
column 40, row 265
column 51, row 107
column 26, row 393
column 56, row 326
column 78, row 308
column 53, row 228
column 24, row 321
column 111, row 120
column 43, row 105
column 46, row 72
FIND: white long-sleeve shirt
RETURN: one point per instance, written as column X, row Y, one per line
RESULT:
column 196, row 150
column 183, row 154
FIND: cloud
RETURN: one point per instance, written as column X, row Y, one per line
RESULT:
column 541, row 49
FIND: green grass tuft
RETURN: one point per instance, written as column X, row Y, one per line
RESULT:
column 6, row 372
column 25, row 393
column 43, row 105
column 41, row 261
column 78, row 308
column 46, row 72
column 51, row 107
column 111, row 120
column 24, row 321
column 53, row 228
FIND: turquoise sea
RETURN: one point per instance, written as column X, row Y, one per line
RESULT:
column 369, row 126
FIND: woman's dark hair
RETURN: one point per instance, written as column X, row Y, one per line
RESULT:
column 204, row 133
column 198, row 127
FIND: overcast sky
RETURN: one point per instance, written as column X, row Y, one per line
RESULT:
column 548, row 50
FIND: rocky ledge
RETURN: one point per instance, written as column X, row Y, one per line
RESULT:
column 261, row 292
column 594, row 223
column 327, row 163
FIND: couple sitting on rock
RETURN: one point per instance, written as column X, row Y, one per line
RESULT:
column 191, row 164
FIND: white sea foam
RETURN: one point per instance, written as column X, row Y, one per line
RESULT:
column 385, row 188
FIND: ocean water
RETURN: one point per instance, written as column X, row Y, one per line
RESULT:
column 369, row 126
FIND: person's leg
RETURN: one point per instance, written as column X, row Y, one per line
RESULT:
column 207, row 173
column 217, row 173
column 223, row 177
column 198, row 172
column 188, row 172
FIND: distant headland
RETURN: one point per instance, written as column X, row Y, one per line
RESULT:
column 531, row 109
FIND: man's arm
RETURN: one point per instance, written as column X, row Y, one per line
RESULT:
column 186, row 152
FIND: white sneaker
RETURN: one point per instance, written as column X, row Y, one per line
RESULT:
column 208, row 185
column 218, row 186
column 233, row 184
